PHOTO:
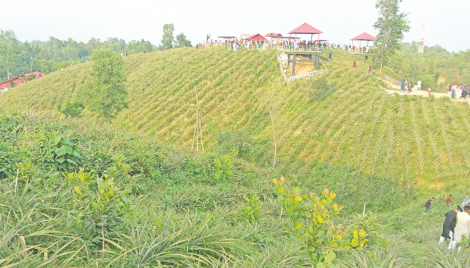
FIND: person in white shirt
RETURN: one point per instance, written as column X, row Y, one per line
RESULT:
column 419, row 84
column 463, row 226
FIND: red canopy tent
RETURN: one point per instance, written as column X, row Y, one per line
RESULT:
column 275, row 35
column 363, row 37
column 306, row 29
column 256, row 37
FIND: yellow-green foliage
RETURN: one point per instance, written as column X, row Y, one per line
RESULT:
column 356, row 125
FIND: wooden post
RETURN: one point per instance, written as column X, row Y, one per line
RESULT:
column 318, row 47
column 316, row 62
column 293, row 65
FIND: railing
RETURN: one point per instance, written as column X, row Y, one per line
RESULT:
column 289, row 79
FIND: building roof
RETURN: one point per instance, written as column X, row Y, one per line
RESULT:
column 364, row 37
column 16, row 79
column 305, row 29
column 278, row 35
column 256, row 37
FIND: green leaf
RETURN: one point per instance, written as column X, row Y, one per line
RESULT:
column 77, row 189
column 71, row 161
column 298, row 225
column 61, row 151
column 69, row 150
column 281, row 190
column 330, row 257
column 60, row 160
column 295, row 190
column 57, row 140
column 76, row 154
column 321, row 265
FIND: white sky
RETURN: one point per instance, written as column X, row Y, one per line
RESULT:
column 339, row 20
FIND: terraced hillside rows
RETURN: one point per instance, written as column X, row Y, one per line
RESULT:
column 354, row 125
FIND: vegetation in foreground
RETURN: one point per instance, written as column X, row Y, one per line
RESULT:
column 82, row 194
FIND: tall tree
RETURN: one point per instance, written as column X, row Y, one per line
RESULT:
column 182, row 41
column 106, row 93
column 32, row 51
column 9, row 40
column 167, row 39
column 391, row 25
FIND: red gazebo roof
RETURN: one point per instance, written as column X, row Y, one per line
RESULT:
column 305, row 29
column 256, row 37
column 274, row 35
column 364, row 37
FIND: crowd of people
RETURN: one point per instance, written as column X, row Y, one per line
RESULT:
column 456, row 226
column 458, row 91
column 285, row 43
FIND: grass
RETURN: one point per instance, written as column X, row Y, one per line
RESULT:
column 356, row 125
column 371, row 148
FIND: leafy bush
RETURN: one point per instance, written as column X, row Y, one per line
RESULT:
column 249, row 210
column 98, row 203
column 239, row 141
column 72, row 109
column 311, row 226
column 66, row 153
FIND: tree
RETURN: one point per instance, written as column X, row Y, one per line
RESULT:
column 106, row 93
column 391, row 25
column 167, row 39
column 12, row 83
column 182, row 41
column 430, row 69
column 32, row 51
column 9, row 40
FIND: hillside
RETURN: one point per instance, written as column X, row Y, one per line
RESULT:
column 344, row 118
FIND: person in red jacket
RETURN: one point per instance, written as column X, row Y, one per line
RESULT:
column 354, row 64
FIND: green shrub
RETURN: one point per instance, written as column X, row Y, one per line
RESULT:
column 72, row 109
column 249, row 210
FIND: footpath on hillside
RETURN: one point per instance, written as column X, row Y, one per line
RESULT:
column 424, row 93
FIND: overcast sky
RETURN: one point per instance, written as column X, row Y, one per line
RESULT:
column 340, row 20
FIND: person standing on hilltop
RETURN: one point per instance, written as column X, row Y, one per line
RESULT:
column 428, row 205
column 429, row 92
column 402, row 89
column 448, row 226
column 354, row 64
column 329, row 55
column 419, row 84
column 462, row 229
column 370, row 69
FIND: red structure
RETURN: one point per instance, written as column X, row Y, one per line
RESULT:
column 306, row 29
column 274, row 35
column 363, row 37
column 256, row 37
column 17, row 80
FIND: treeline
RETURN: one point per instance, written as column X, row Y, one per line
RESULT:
column 18, row 57
column 437, row 67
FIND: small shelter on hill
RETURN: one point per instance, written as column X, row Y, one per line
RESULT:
column 363, row 37
column 303, row 55
column 256, row 37
column 306, row 29
column 17, row 80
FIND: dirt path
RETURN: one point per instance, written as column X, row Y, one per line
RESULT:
column 424, row 94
